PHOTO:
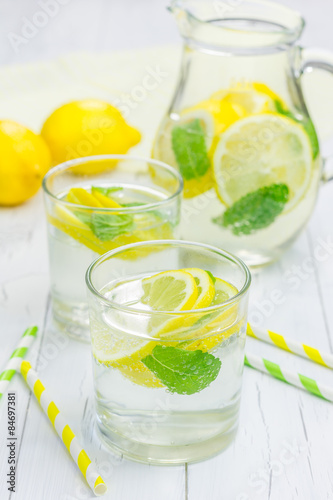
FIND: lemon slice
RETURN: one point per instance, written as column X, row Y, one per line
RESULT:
column 170, row 291
column 223, row 291
column 104, row 200
column 195, row 167
column 253, row 97
column 124, row 354
column 166, row 291
column 261, row 150
column 80, row 196
column 206, row 288
column 68, row 217
column 226, row 320
column 191, row 286
column 252, row 101
column 216, row 115
column 264, row 89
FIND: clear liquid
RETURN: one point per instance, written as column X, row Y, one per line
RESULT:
column 146, row 421
column 202, row 203
column 259, row 248
column 70, row 258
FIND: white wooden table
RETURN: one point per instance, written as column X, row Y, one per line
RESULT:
column 284, row 445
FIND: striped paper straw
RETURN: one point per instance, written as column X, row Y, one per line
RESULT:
column 66, row 434
column 15, row 360
column 290, row 377
column 307, row 352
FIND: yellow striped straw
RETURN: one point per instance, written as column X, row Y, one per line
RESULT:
column 303, row 350
column 66, row 434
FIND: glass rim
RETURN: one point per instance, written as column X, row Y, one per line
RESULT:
column 112, row 253
column 62, row 167
column 293, row 31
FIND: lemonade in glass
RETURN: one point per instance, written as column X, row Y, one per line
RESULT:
column 97, row 204
column 168, row 327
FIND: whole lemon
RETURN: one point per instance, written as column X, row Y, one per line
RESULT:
column 86, row 128
column 24, row 160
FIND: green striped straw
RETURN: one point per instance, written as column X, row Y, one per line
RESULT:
column 290, row 377
column 15, row 360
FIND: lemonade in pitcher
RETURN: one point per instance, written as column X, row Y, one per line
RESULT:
column 250, row 168
column 238, row 129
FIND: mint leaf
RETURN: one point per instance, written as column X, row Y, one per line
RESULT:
column 83, row 216
column 183, row 372
column 189, row 146
column 108, row 226
column 255, row 210
column 106, row 190
column 307, row 125
column 133, row 204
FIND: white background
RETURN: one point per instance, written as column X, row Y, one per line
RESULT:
column 104, row 25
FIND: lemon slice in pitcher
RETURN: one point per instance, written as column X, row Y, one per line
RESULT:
column 261, row 150
column 222, row 112
column 252, row 97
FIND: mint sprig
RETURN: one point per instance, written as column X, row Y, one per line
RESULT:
column 189, row 147
column 108, row 226
column 255, row 210
column 106, row 190
column 306, row 123
column 183, row 372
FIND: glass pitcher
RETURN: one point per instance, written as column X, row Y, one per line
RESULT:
column 238, row 128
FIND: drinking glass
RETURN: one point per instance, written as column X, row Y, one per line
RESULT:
column 78, row 233
column 167, row 384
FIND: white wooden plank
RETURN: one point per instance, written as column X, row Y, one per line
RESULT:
column 275, row 416
column 321, row 229
column 22, row 304
column 68, row 378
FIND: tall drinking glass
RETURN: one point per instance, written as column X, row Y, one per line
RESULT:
column 167, row 383
column 96, row 204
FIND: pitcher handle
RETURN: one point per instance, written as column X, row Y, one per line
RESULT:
column 313, row 59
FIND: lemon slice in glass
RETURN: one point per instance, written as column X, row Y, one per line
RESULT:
column 79, row 196
column 206, row 288
column 216, row 320
column 124, row 354
column 261, row 150
column 170, row 291
column 105, row 201
column 166, row 291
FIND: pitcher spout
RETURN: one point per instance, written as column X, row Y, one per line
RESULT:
column 239, row 26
